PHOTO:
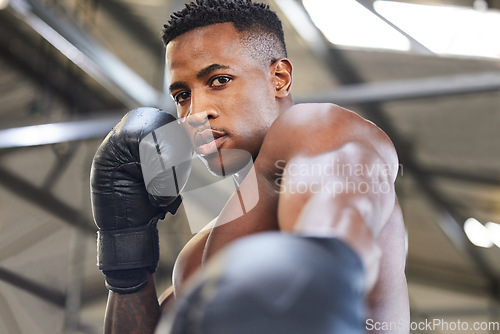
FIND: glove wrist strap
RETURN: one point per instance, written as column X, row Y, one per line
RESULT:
column 130, row 248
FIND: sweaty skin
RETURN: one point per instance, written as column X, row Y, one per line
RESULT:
column 219, row 86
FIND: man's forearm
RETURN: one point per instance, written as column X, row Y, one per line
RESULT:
column 137, row 312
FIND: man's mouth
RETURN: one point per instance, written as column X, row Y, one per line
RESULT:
column 208, row 141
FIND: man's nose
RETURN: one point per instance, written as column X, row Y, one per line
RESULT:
column 202, row 111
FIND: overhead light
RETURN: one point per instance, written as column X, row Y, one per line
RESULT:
column 4, row 4
column 348, row 23
column 300, row 21
column 44, row 134
column 480, row 5
column 447, row 30
column 494, row 232
column 477, row 233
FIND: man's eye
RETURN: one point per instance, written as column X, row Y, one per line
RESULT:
column 181, row 97
column 220, row 81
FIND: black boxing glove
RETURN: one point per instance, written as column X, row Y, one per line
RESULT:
column 136, row 176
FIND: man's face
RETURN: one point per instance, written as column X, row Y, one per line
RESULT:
column 226, row 97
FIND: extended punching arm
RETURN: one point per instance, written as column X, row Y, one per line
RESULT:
column 274, row 283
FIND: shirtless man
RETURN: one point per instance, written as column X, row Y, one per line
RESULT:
column 229, row 76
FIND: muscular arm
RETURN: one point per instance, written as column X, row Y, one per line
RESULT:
column 338, row 181
column 135, row 313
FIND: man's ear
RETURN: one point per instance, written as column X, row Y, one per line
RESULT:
column 282, row 77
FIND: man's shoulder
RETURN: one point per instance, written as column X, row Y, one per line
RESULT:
column 315, row 129
column 313, row 124
column 314, row 114
column 318, row 121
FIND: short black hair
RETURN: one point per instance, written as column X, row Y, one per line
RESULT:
column 260, row 27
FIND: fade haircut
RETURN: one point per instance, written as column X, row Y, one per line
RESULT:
column 260, row 28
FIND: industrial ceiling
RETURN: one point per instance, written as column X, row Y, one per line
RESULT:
column 59, row 96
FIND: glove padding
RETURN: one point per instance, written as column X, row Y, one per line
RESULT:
column 147, row 144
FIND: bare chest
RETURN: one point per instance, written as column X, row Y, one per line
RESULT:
column 252, row 210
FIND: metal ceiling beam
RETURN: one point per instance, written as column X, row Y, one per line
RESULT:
column 134, row 26
column 62, row 162
column 487, row 179
column 342, row 68
column 7, row 317
column 415, row 45
column 44, row 292
column 87, row 54
column 46, row 201
column 20, row 50
column 298, row 17
column 447, row 279
column 58, row 132
column 398, row 90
